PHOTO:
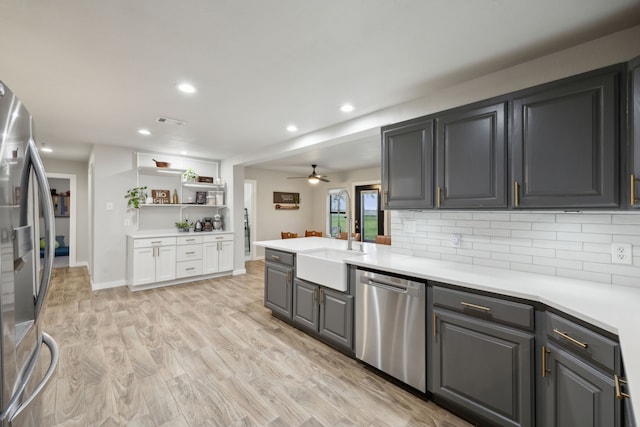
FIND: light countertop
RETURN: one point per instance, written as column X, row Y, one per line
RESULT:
column 172, row 232
column 611, row 308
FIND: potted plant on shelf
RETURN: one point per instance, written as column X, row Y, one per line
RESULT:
column 183, row 226
column 136, row 196
column 189, row 175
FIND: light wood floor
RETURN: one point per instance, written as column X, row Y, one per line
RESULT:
column 206, row 353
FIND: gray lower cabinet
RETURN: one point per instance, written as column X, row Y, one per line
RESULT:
column 565, row 142
column 471, row 157
column 485, row 367
column 634, row 133
column 278, row 278
column 407, row 165
column 325, row 312
column 577, row 394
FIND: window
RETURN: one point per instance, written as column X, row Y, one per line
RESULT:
column 337, row 213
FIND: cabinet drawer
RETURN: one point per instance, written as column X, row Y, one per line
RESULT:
column 189, row 240
column 279, row 257
column 188, row 252
column 188, row 268
column 490, row 308
column 217, row 237
column 583, row 341
column 157, row 241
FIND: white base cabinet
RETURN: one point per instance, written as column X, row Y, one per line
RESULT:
column 217, row 253
column 168, row 260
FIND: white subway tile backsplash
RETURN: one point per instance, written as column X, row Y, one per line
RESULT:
column 575, row 245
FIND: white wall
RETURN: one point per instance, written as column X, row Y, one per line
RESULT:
column 271, row 221
column 80, row 170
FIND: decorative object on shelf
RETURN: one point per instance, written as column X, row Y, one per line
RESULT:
column 189, row 175
column 197, row 226
column 161, row 197
column 283, row 200
column 207, row 224
column 206, row 179
column 217, row 222
column 135, row 196
column 201, row 197
column 161, row 164
column 175, row 196
column 183, row 226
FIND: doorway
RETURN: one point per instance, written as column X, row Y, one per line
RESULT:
column 64, row 193
column 249, row 218
column 369, row 218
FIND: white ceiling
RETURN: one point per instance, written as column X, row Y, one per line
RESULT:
column 93, row 72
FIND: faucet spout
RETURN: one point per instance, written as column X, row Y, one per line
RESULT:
column 349, row 237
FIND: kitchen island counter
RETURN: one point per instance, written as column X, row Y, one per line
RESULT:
column 609, row 307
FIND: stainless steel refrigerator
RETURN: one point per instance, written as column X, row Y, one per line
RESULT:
column 28, row 356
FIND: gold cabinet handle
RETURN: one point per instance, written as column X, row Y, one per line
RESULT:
column 516, row 193
column 314, row 294
column 477, row 307
column 276, row 257
column 545, row 369
column 632, row 187
column 439, row 197
column 435, row 325
column 619, row 393
column 384, row 196
column 321, row 296
column 288, row 277
column 573, row 340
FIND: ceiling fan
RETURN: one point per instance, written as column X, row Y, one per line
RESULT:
column 314, row 178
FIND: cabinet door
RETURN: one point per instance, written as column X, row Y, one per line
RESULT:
column 471, row 158
column 277, row 289
column 485, row 367
column 210, row 258
column 336, row 317
column 305, row 304
column 407, row 165
column 565, row 144
column 634, row 131
column 577, row 394
column 144, row 266
column 165, row 263
column 225, row 256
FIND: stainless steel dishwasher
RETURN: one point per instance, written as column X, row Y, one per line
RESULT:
column 390, row 326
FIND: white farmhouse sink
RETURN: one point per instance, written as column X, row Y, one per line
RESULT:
column 325, row 267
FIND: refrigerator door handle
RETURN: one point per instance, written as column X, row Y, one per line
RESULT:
column 47, row 340
column 32, row 158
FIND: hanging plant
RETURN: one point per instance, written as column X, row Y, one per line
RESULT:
column 135, row 196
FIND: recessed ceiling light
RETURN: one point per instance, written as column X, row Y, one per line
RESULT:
column 46, row 149
column 346, row 108
column 186, row 87
column 292, row 128
column 144, row 131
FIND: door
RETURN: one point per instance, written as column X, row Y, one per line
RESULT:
column 144, row 265
column 210, row 258
column 225, row 256
column 407, row 165
column 471, row 158
column 577, row 394
column 565, row 144
column 336, row 317
column 165, row 263
column 369, row 218
column 634, row 132
column 305, row 304
column 277, row 289
column 484, row 367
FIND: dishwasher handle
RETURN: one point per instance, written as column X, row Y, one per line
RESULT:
column 393, row 284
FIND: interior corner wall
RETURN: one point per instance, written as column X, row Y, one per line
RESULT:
column 80, row 170
column 113, row 173
column 233, row 175
column 272, row 221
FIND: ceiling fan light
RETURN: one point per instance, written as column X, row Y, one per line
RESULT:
column 313, row 180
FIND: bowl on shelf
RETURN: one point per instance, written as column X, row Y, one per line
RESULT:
column 161, row 164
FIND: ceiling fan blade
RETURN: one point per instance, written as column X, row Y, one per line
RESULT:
column 297, row 177
column 323, row 179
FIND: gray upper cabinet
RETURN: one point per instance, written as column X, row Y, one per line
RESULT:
column 407, row 165
column 634, row 132
column 565, row 143
column 471, row 158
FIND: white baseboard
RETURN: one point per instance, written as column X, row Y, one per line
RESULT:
column 239, row 271
column 107, row 285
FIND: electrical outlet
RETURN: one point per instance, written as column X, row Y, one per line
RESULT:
column 455, row 240
column 621, row 253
